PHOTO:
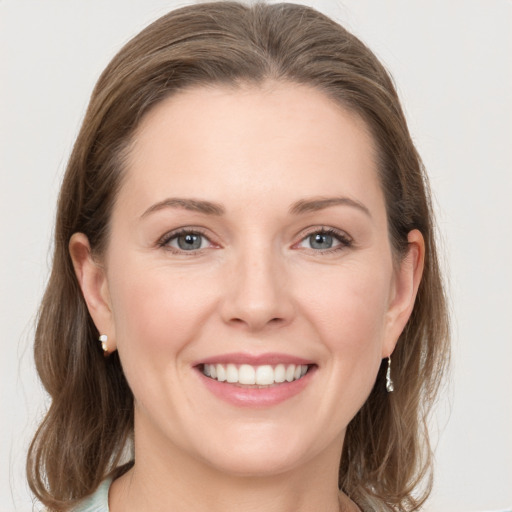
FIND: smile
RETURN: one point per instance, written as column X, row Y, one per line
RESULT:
column 257, row 376
column 255, row 380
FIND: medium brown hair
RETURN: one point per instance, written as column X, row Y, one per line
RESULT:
column 386, row 454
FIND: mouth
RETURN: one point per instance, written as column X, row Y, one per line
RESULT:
column 258, row 377
column 255, row 380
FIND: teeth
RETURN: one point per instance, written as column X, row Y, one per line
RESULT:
column 221, row 373
column 231, row 373
column 264, row 375
column 246, row 374
column 280, row 373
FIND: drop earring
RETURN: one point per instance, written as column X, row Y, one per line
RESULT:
column 103, row 340
column 390, row 387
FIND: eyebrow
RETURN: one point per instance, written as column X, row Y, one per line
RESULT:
column 195, row 205
column 320, row 203
column 211, row 208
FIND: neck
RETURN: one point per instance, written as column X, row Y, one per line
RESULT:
column 170, row 479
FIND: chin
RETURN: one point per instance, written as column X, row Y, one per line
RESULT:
column 250, row 465
column 262, row 453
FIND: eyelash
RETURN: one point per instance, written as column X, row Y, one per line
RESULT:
column 168, row 237
column 343, row 238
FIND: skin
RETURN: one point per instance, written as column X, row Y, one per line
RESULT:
column 256, row 285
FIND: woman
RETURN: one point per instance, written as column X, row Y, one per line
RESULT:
column 245, row 307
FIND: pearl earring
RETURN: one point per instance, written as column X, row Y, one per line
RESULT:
column 103, row 340
column 390, row 387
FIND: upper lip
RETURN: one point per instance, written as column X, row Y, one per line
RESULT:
column 270, row 358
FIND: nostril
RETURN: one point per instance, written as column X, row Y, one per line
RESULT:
column 257, row 322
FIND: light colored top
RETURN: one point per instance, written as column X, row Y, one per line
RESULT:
column 98, row 501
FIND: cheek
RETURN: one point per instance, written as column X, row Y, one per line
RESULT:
column 157, row 314
column 157, row 310
column 349, row 308
column 349, row 313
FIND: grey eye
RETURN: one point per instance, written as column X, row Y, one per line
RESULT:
column 188, row 241
column 324, row 240
column 321, row 241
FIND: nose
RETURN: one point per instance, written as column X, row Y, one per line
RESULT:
column 258, row 294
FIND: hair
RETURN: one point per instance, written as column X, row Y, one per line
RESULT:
column 386, row 462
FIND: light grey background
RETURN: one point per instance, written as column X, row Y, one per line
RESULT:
column 451, row 60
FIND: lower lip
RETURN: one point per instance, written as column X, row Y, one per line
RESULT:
column 256, row 397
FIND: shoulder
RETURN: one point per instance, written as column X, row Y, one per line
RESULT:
column 96, row 502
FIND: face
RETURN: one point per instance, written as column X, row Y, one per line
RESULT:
column 249, row 284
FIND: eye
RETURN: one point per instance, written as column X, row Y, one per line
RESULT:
column 185, row 241
column 325, row 240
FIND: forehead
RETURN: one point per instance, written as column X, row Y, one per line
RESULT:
column 251, row 139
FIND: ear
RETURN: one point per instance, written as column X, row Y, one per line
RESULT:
column 406, row 281
column 92, row 279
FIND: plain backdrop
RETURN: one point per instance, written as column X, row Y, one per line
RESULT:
column 451, row 60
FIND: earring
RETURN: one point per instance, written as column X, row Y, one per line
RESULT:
column 103, row 340
column 390, row 387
